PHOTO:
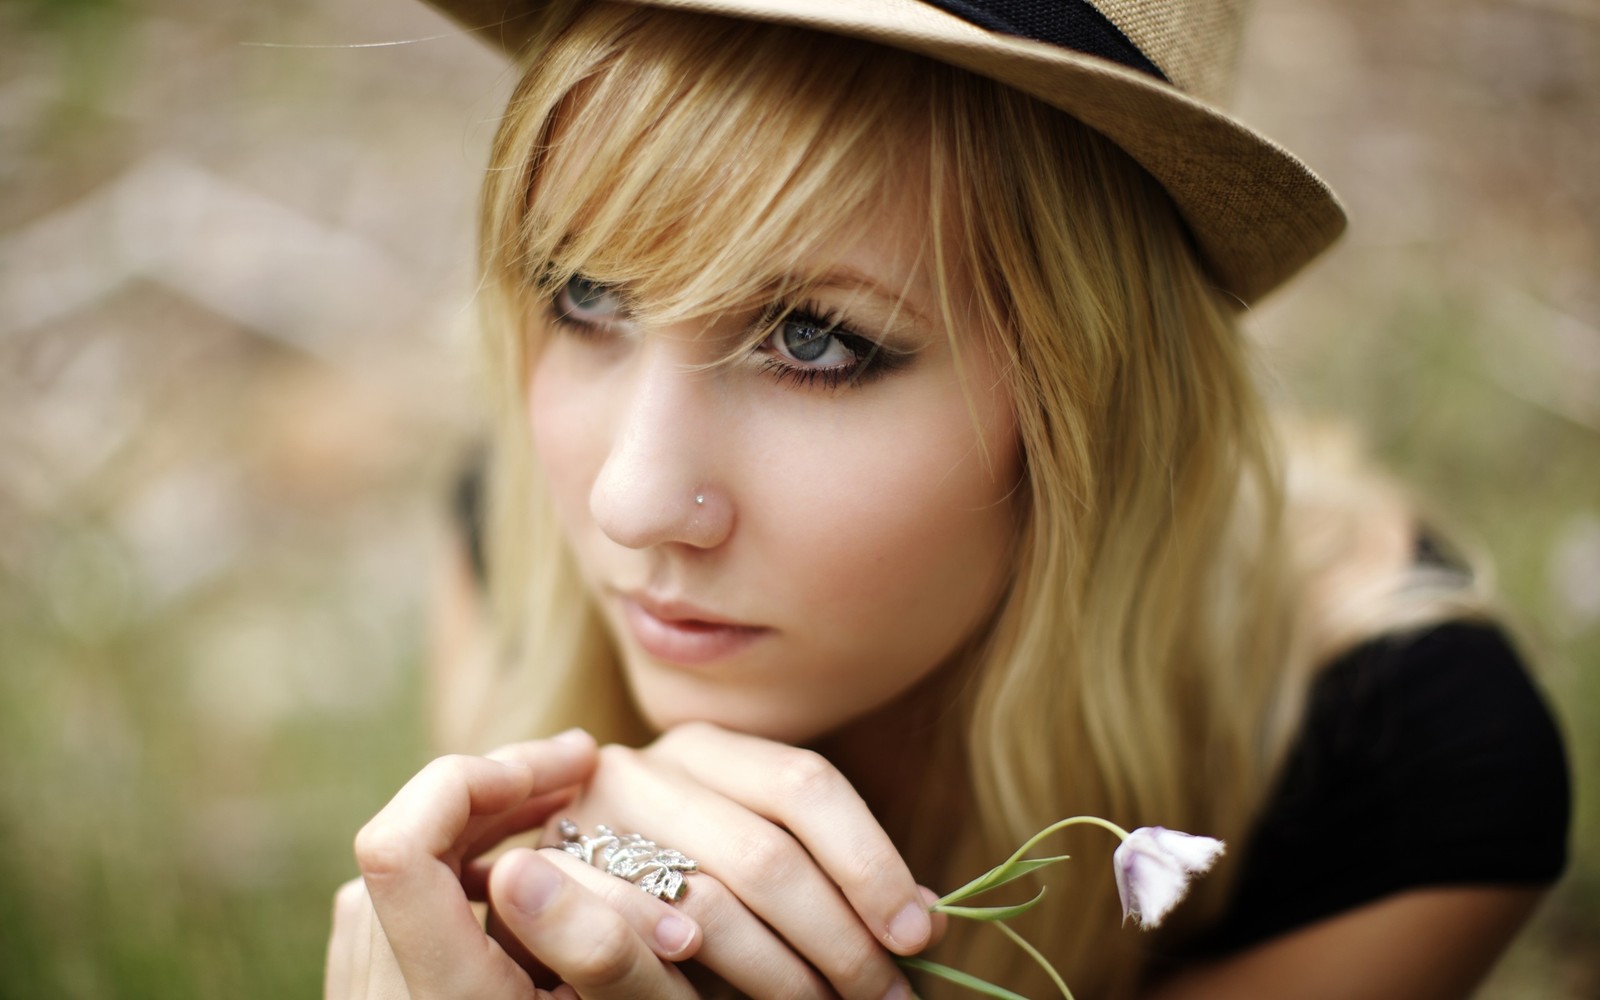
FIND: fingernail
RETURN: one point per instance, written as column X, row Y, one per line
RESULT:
column 901, row 990
column 910, row 927
column 674, row 933
column 575, row 737
column 535, row 886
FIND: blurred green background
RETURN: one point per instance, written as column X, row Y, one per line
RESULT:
column 236, row 380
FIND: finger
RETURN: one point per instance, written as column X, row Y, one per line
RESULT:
column 361, row 966
column 530, row 815
column 384, row 980
column 432, row 812
column 537, row 753
column 560, row 764
column 743, row 944
column 941, row 922
column 743, row 950
column 670, row 933
column 763, row 866
column 347, row 942
column 737, row 945
column 802, row 792
column 408, row 856
column 577, row 935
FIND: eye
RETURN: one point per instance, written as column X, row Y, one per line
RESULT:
column 811, row 346
column 589, row 303
column 812, row 341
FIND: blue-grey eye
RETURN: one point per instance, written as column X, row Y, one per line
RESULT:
column 804, row 340
column 583, row 298
column 810, row 346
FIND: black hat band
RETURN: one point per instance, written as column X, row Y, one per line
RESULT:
column 1071, row 24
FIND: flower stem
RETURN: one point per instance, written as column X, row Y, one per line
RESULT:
column 984, row 882
column 1015, row 867
column 1074, row 821
column 1034, row 954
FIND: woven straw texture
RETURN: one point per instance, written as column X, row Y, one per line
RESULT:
column 1195, row 44
column 1257, row 213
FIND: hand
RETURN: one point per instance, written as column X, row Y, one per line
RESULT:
column 799, row 890
column 406, row 929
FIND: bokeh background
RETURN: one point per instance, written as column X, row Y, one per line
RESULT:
column 236, row 382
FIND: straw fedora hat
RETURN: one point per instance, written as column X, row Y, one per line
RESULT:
column 1150, row 75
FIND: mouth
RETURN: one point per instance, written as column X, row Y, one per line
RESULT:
column 682, row 634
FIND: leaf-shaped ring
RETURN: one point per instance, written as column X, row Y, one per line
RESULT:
column 655, row 869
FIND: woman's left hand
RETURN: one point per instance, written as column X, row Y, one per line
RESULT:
column 796, row 877
column 406, row 930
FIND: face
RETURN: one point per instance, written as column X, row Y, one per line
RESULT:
column 787, row 541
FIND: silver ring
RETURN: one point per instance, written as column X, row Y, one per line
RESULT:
column 655, row 869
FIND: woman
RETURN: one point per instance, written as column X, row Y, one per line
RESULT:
column 880, row 477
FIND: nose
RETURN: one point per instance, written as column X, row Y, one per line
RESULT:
column 658, row 483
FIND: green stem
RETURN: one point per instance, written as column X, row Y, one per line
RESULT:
column 1034, row 954
column 1029, row 845
column 1012, row 868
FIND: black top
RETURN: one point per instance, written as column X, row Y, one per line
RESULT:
column 1424, row 760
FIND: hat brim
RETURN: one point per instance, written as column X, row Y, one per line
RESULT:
column 1257, row 213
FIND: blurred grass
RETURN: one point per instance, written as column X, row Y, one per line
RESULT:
column 222, row 474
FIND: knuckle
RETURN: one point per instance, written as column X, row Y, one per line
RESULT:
column 803, row 985
column 684, row 736
column 860, row 972
column 771, row 857
column 670, row 740
column 708, row 903
column 380, row 849
column 805, row 775
column 867, row 868
column 451, row 767
column 613, row 756
column 609, row 959
column 697, row 729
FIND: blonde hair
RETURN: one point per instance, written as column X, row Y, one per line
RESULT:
column 1149, row 659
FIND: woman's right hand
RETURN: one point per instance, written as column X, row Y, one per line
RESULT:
column 800, row 891
column 406, row 929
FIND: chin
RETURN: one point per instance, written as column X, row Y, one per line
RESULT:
column 769, row 722
column 779, row 730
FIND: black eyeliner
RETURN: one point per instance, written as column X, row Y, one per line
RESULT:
column 872, row 359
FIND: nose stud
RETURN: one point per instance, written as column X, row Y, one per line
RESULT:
column 699, row 499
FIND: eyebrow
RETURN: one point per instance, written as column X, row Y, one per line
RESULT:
column 854, row 279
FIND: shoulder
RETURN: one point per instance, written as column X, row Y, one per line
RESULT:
column 1436, row 727
column 1422, row 699
column 1426, row 759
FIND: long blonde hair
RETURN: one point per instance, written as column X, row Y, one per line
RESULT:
column 1149, row 659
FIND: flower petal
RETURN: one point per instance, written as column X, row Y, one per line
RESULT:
column 1194, row 854
column 1153, row 868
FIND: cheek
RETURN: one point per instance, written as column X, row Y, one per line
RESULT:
column 894, row 531
column 563, row 422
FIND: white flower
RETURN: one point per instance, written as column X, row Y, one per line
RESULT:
column 1154, row 866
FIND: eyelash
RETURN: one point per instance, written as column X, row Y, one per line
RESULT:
column 873, row 360
column 565, row 316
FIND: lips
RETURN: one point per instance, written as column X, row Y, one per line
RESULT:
column 685, row 635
